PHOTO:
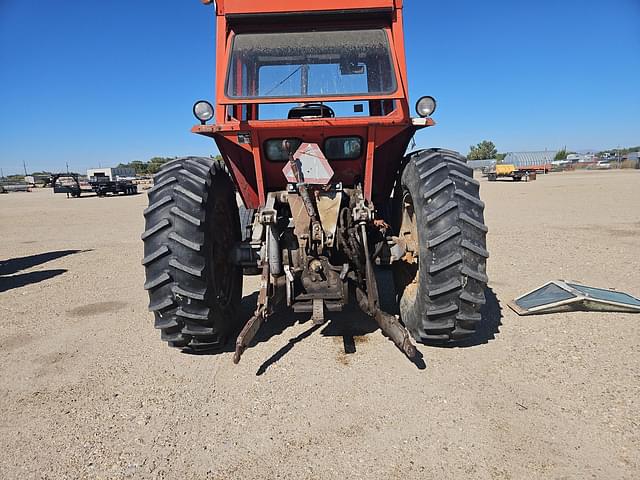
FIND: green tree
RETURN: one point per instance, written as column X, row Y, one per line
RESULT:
column 139, row 166
column 153, row 165
column 562, row 154
column 619, row 151
column 146, row 168
column 485, row 150
column 500, row 157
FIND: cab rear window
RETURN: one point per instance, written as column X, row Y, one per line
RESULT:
column 334, row 148
column 274, row 150
column 343, row 148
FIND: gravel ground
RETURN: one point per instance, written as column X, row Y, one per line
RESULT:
column 88, row 390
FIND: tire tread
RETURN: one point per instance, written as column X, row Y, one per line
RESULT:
column 174, row 259
column 450, row 291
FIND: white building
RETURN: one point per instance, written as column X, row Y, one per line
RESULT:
column 113, row 174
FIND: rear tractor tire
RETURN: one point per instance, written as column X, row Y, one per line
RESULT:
column 441, row 289
column 192, row 225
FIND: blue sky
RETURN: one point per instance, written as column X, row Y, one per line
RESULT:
column 89, row 82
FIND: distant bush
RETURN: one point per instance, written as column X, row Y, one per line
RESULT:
column 150, row 167
column 146, row 168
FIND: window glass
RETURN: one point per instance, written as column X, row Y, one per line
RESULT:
column 548, row 294
column 343, row 148
column 310, row 64
column 606, row 295
column 275, row 152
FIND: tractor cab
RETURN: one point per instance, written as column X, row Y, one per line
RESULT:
column 343, row 69
column 327, row 73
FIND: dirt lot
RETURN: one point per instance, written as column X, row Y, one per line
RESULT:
column 87, row 389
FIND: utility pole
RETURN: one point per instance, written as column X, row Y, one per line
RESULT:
column 67, row 167
column 618, row 157
column 24, row 165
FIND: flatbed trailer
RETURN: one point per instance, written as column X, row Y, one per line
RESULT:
column 14, row 187
column 514, row 173
column 114, row 180
column 68, row 183
column 102, row 187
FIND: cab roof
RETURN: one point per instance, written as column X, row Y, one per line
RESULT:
column 252, row 7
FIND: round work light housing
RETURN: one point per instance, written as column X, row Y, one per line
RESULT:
column 426, row 106
column 203, row 111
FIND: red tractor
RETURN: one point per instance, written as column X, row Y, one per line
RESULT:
column 312, row 119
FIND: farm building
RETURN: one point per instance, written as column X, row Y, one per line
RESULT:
column 583, row 158
column 633, row 158
column 481, row 164
column 530, row 159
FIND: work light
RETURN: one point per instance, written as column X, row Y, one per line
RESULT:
column 203, row 111
column 426, row 106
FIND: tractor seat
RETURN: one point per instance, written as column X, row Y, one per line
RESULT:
column 311, row 110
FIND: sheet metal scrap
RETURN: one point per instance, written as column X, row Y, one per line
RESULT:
column 564, row 296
